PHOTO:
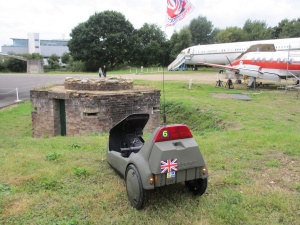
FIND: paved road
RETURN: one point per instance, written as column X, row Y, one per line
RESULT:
column 26, row 82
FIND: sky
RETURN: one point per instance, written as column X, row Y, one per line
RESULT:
column 55, row 19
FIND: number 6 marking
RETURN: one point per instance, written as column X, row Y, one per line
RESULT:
column 165, row 133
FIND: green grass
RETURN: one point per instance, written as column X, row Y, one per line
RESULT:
column 137, row 70
column 251, row 149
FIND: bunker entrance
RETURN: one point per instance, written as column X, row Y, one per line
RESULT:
column 62, row 116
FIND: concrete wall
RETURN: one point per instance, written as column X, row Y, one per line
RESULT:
column 91, row 112
column 35, row 66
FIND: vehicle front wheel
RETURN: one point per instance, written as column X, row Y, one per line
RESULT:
column 197, row 186
column 134, row 188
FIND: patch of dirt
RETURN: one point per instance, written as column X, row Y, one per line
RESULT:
column 284, row 176
column 19, row 205
column 205, row 78
column 232, row 126
column 19, row 180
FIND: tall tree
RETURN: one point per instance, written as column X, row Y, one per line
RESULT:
column 105, row 38
column 148, row 44
column 180, row 41
column 257, row 30
column 290, row 29
column 278, row 29
column 201, row 30
column 230, row 34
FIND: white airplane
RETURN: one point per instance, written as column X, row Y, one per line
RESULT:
column 227, row 52
column 267, row 64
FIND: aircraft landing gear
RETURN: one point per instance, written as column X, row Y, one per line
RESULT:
column 219, row 83
column 229, row 84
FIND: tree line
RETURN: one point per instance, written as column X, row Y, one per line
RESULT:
column 108, row 38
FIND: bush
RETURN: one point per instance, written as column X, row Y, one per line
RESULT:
column 76, row 66
column 53, row 61
column 16, row 65
column 3, row 67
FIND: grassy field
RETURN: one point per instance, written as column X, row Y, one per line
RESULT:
column 136, row 70
column 251, row 149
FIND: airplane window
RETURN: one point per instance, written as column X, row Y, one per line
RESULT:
column 253, row 59
column 278, row 60
column 258, row 59
column 263, row 60
column 271, row 60
column 284, row 60
column 291, row 61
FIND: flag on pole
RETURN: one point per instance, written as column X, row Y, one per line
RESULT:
column 177, row 10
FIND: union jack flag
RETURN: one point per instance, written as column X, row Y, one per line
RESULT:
column 168, row 165
column 177, row 10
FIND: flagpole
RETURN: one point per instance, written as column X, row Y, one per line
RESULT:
column 163, row 66
column 176, row 11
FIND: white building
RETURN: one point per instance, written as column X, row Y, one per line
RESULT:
column 34, row 45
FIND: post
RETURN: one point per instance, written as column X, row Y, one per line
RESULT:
column 18, row 100
column 190, row 83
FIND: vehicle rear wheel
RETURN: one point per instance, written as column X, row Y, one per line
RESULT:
column 134, row 188
column 197, row 186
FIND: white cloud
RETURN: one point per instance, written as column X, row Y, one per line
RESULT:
column 56, row 18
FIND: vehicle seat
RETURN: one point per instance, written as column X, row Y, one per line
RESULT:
column 131, row 143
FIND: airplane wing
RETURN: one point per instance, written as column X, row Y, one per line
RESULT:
column 246, row 70
column 227, row 67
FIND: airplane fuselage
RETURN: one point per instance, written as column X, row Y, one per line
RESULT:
column 265, row 65
column 279, row 63
column 218, row 53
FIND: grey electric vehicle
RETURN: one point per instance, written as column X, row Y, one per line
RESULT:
column 170, row 155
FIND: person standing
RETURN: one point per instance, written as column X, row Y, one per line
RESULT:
column 104, row 70
column 100, row 72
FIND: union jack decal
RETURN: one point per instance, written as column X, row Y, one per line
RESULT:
column 168, row 165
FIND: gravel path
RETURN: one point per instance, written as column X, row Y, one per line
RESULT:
column 206, row 78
